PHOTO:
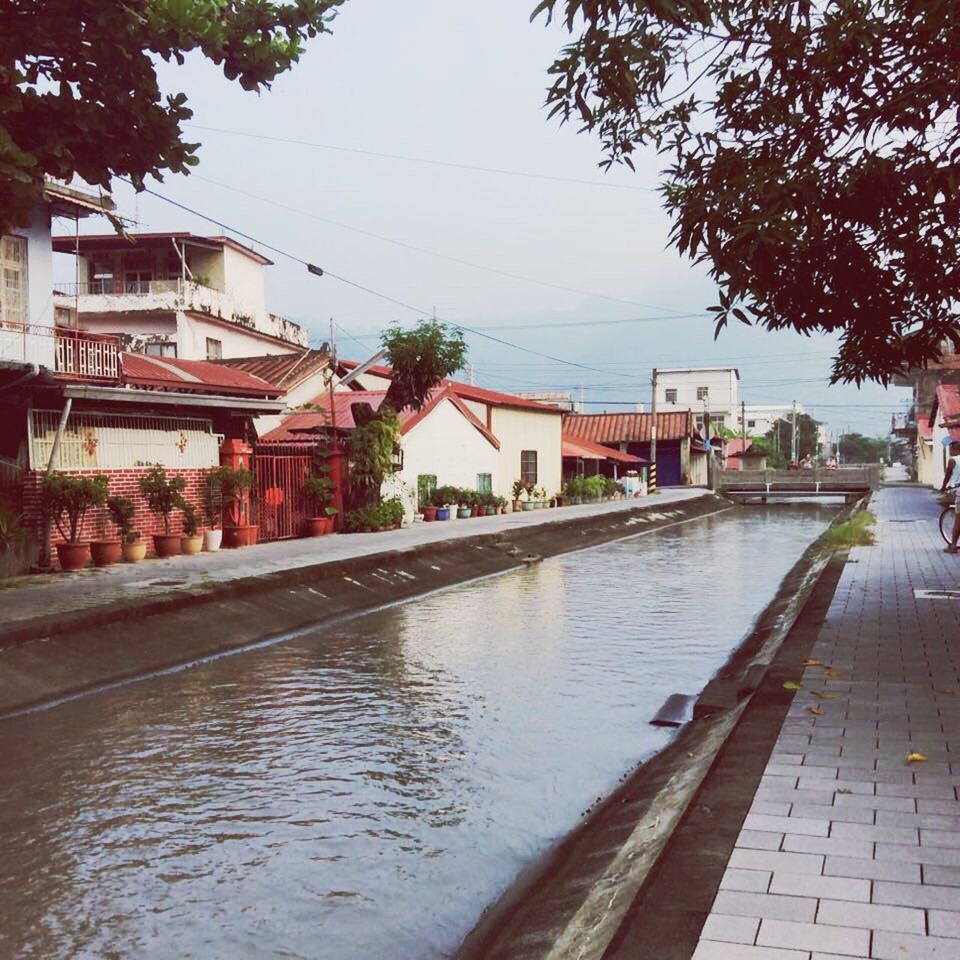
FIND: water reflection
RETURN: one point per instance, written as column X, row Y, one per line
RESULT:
column 365, row 791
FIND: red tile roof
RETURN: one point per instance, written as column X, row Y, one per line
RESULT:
column 628, row 427
column 468, row 391
column 298, row 426
column 924, row 427
column 194, row 376
column 588, row 450
column 948, row 400
column 283, row 369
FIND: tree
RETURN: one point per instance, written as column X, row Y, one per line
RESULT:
column 79, row 91
column 856, row 448
column 814, row 152
column 808, row 436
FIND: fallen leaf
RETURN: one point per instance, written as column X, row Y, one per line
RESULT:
column 813, row 663
column 816, row 711
column 844, row 790
column 830, row 672
column 823, row 696
column 948, row 691
column 792, row 685
column 915, row 758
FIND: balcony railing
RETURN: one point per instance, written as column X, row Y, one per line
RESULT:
column 88, row 356
column 114, row 286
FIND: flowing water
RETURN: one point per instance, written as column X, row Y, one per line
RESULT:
column 364, row 791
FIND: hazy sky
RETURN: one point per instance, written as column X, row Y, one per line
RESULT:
column 463, row 84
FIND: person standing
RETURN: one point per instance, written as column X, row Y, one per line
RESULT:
column 951, row 480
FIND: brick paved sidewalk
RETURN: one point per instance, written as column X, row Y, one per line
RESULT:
column 848, row 849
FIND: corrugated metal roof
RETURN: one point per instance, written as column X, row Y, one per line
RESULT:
column 628, row 427
column 103, row 242
column 283, row 369
column 192, row 375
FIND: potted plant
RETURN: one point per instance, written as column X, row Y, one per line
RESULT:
column 236, row 485
column 490, row 504
column 122, row 511
column 164, row 495
column 191, row 543
column 519, row 489
column 319, row 491
column 441, row 498
column 70, row 497
column 464, row 504
column 105, row 553
column 212, row 511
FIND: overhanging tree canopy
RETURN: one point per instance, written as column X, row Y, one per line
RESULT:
column 814, row 155
column 79, row 91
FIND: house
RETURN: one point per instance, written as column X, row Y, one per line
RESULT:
column 704, row 390
column 584, row 458
column 681, row 455
column 529, row 433
column 760, row 418
column 443, row 443
column 173, row 295
column 742, row 455
column 944, row 429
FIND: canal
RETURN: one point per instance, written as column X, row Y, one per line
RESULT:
column 365, row 791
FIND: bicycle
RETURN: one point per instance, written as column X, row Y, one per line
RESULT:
column 946, row 522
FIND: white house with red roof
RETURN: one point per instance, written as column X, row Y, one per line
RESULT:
column 944, row 427
column 173, row 295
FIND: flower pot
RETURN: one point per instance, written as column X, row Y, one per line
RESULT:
column 241, row 536
column 212, row 540
column 191, row 546
column 477, row 510
column 515, row 506
column 528, row 505
column 429, row 514
column 103, row 553
column 443, row 513
column 134, row 552
column 166, row 544
column 73, row 556
column 463, row 513
column 319, row 526
column 490, row 512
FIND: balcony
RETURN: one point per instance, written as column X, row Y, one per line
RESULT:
column 114, row 295
column 71, row 354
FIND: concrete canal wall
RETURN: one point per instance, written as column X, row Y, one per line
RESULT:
column 49, row 658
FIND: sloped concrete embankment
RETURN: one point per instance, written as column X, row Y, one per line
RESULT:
column 46, row 659
column 576, row 901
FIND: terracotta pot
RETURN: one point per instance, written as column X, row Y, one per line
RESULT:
column 429, row 513
column 191, row 546
column 166, row 544
column 73, row 556
column 105, row 552
column 242, row 536
column 319, row 526
column 212, row 540
column 135, row 552
column 475, row 510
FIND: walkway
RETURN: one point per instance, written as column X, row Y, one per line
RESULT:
column 87, row 589
column 852, row 845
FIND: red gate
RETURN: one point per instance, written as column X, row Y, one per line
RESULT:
column 280, row 472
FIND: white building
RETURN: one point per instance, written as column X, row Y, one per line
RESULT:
column 760, row 418
column 704, row 390
column 173, row 295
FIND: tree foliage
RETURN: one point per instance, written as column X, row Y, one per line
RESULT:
column 778, row 439
column 79, row 92
column 420, row 358
column 813, row 155
column 856, row 448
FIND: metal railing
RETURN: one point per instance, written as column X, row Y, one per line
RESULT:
column 115, row 286
column 89, row 356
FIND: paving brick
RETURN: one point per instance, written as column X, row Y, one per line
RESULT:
column 847, row 800
column 759, row 840
column 871, row 916
column 773, row 808
column 833, row 846
column 816, row 811
column 713, row 950
column 860, row 831
column 945, row 876
column 766, row 860
column 737, row 904
column 901, row 852
column 814, row 936
column 945, row 923
column 791, row 824
column 940, row 838
column 905, row 946
column 730, row 929
column 832, row 888
column 866, row 869
column 916, row 895
column 928, row 821
column 753, row 881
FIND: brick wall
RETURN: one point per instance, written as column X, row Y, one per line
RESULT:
column 123, row 483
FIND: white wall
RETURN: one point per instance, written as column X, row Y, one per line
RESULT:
column 448, row 446
column 237, row 341
column 519, row 430
column 928, row 454
column 939, row 454
column 243, row 280
column 764, row 416
column 721, row 384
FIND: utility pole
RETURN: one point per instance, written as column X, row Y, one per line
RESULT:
column 743, row 424
column 793, row 434
column 582, row 404
column 707, row 444
column 470, row 372
column 652, row 478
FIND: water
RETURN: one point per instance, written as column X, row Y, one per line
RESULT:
column 364, row 792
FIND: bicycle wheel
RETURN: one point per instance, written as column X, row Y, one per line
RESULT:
column 946, row 523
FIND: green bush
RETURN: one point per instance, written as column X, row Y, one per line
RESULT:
column 854, row 532
column 164, row 494
column 445, row 495
column 191, row 519
column 71, row 497
column 378, row 517
column 122, row 512
column 593, row 487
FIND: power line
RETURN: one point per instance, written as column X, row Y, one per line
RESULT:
column 443, row 256
column 475, row 168
column 359, row 286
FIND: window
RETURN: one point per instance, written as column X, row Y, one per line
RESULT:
column 703, row 393
column 671, row 395
column 717, row 422
column 137, row 281
column 426, row 484
column 214, row 349
column 528, row 466
column 164, row 348
column 751, row 424
column 484, row 483
column 13, row 280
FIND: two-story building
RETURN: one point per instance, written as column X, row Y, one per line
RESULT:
column 173, row 295
column 760, row 418
column 704, row 390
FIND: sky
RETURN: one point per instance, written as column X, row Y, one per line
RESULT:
column 366, row 160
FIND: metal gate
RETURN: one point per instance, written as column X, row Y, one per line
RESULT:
column 280, row 471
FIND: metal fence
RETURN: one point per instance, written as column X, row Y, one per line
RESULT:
column 282, row 505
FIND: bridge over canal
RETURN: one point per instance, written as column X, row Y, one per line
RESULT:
column 847, row 482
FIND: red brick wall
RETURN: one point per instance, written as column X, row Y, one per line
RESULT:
column 123, row 483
